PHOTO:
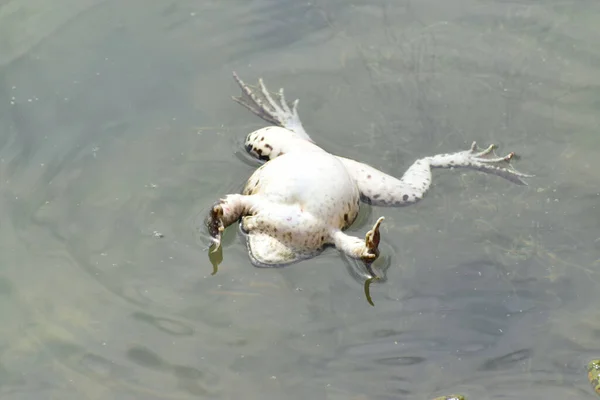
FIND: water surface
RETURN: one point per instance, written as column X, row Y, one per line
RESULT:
column 116, row 122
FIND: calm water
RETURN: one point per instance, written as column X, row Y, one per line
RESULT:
column 116, row 121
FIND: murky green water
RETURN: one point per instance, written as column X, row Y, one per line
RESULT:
column 116, row 121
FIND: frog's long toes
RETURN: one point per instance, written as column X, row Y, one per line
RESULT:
column 482, row 152
column 270, row 107
column 251, row 101
column 215, row 224
column 488, row 156
column 487, row 160
column 373, row 237
column 274, row 105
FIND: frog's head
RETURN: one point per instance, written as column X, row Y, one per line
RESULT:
column 273, row 141
column 268, row 143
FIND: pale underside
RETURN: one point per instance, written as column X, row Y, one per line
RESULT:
column 300, row 198
column 268, row 251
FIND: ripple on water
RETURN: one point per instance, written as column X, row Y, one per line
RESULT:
column 167, row 325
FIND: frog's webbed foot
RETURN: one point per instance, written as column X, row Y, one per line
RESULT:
column 485, row 160
column 272, row 108
column 372, row 238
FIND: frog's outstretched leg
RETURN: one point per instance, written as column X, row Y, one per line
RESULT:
column 381, row 189
column 226, row 212
column 366, row 250
column 272, row 108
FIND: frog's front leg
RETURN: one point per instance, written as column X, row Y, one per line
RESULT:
column 272, row 108
column 226, row 212
column 379, row 188
column 366, row 250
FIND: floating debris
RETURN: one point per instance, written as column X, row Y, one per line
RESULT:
column 594, row 375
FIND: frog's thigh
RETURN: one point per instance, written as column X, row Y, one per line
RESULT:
column 249, row 223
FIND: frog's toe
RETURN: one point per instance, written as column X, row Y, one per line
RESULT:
column 272, row 108
column 487, row 160
column 372, row 238
column 260, row 102
column 484, row 160
column 215, row 225
column 488, row 155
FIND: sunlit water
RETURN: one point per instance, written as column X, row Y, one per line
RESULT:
column 116, row 122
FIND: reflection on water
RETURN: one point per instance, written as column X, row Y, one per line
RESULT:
column 116, row 122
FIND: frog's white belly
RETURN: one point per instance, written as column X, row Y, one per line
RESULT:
column 303, row 196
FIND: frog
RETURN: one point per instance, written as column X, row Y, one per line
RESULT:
column 302, row 198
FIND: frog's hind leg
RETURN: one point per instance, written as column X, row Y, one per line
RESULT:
column 272, row 108
column 366, row 249
column 381, row 189
column 226, row 212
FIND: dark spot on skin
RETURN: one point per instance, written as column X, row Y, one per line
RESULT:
column 262, row 138
column 376, row 196
column 368, row 176
column 345, row 217
column 322, row 238
column 268, row 146
column 405, row 197
column 259, row 152
column 280, row 153
column 248, row 148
